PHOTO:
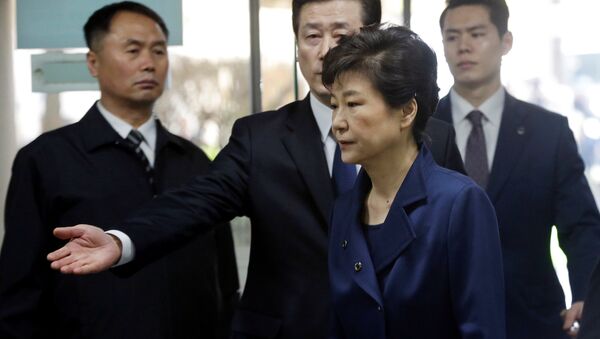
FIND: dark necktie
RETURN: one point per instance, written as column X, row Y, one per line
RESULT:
column 343, row 174
column 476, row 160
column 135, row 139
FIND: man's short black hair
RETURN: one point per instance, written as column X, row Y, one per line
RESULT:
column 98, row 24
column 371, row 11
column 398, row 63
column 497, row 9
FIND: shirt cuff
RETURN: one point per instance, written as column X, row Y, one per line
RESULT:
column 127, row 247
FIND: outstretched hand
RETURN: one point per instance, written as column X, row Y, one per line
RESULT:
column 89, row 250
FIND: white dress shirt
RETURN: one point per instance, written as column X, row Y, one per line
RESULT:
column 492, row 116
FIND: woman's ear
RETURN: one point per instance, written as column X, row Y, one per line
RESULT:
column 409, row 113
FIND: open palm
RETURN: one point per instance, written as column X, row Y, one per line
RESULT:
column 89, row 250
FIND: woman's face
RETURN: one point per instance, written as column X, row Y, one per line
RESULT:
column 364, row 125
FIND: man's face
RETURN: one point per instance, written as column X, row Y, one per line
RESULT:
column 472, row 46
column 130, row 62
column 320, row 26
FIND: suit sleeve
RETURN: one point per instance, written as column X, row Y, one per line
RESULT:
column 475, row 264
column 576, row 213
column 590, row 327
column 228, row 275
column 24, row 271
column 205, row 201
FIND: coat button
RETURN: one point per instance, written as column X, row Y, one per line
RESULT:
column 344, row 244
column 379, row 308
column 357, row 266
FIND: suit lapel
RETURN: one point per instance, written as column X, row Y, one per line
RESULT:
column 511, row 140
column 303, row 142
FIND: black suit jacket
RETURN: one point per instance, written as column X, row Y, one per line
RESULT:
column 537, row 181
column 274, row 171
column 83, row 173
column 590, row 324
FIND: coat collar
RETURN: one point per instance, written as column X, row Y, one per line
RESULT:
column 96, row 132
column 400, row 232
column 304, row 144
column 512, row 136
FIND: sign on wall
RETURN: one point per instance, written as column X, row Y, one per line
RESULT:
column 59, row 23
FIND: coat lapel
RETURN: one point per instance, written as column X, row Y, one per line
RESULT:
column 399, row 231
column 357, row 256
column 303, row 142
column 398, row 228
column 95, row 131
column 511, row 140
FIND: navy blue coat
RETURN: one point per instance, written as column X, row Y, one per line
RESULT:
column 537, row 181
column 439, row 273
column 82, row 173
column 274, row 171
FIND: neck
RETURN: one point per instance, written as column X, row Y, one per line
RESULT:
column 324, row 99
column 477, row 94
column 388, row 175
column 135, row 115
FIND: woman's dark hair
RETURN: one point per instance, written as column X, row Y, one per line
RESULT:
column 397, row 62
column 98, row 24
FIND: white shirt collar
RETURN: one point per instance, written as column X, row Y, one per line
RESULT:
column 322, row 114
column 491, row 108
column 148, row 128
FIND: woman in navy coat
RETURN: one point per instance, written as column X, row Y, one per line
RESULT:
column 414, row 248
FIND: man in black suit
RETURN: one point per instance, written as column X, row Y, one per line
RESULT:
column 276, row 169
column 526, row 158
column 94, row 172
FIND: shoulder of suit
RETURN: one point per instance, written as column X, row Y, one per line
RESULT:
column 538, row 112
column 441, row 179
column 51, row 139
column 435, row 123
column 265, row 118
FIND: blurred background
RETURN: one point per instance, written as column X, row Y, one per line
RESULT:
column 237, row 58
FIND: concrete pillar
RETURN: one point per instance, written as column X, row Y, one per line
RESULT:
column 7, row 101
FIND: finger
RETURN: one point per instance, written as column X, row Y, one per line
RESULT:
column 59, row 253
column 68, row 232
column 573, row 330
column 86, row 269
column 68, row 260
column 570, row 317
column 80, row 266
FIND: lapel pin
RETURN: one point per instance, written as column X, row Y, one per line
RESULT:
column 521, row 130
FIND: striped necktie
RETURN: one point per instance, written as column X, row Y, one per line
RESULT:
column 135, row 139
